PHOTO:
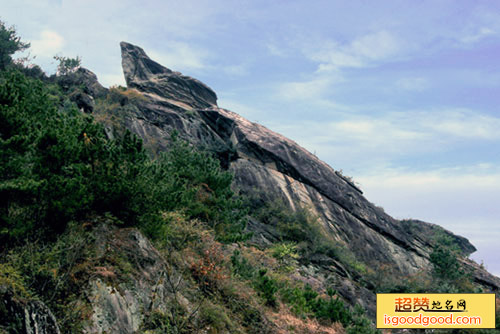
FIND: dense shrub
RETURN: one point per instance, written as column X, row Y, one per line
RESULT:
column 267, row 287
column 186, row 179
column 241, row 267
column 55, row 273
column 57, row 164
column 444, row 259
column 306, row 301
column 448, row 274
column 360, row 323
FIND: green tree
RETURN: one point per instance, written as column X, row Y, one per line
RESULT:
column 57, row 164
column 448, row 272
column 67, row 65
column 184, row 178
column 10, row 43
column 445, row 263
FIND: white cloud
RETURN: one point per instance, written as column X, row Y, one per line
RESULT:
column 48, row 44
column 303, row 90
column 478, row 35
column 331, row 57
column 97, row 42
column 464, row 124
column 360, row 52
column 276, row 50
column 413, row 84
column 348, row 138
column 484, row 176
column 180, row 56
column 375, row 46
column 483, row 23
column 235, row 70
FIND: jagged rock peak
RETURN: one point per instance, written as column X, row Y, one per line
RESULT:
column 148, row 76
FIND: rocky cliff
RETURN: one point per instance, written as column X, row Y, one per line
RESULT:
column 124, row 283
column 279, row 168
column 100, row 236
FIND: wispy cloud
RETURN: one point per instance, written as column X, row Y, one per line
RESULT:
column 463, row 123
column 304, row 90
column 478, row 35
column 360, row 52
column 48, row 44
column 353, row 139
column 413, row 84
column 331, row 58
column 235, row 70
column 182, row 56
column 482, row 24
column 275, row 50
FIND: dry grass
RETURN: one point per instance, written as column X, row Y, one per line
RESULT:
column 104, row 272
column 287, row 323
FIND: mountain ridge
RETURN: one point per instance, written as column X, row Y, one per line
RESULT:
column 280, row 168
column 139, row 200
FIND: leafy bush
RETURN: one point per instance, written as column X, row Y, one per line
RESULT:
column 296, row 226
column 241, row 267
column 448, row 274
column 267, row 287
column 216, row 317
column 11, row 279
column 302, row 228
column 157, row 322
column 360, row 323
column 445, row 262
column 186, row 179
column 209, row 270
column 54, row 273
column 285, row 252
column 57, row 164
column 305, row 301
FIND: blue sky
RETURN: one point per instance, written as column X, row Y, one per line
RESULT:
column 402, row 95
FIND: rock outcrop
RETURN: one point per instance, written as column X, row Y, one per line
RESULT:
column 82, row 88
column 149, row 76
column 121, row 302
column 25, row 315
column 278, row 167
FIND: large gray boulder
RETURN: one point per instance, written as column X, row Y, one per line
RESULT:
column 147, row 75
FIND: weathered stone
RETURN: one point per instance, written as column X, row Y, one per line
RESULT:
column 25, row 315
column 121, row 296
column 84, row 79
column 84, row 101
column 147, row 75
column 267, row 161
column 279, row 168
column 39, row 319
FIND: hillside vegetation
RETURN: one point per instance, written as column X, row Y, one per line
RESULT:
column 85, row 212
